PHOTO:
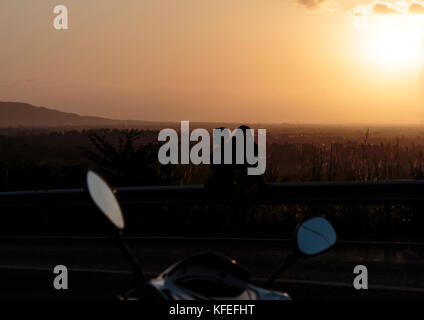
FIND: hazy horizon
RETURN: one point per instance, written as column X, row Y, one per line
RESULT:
column 325, row 62
column 236, row 123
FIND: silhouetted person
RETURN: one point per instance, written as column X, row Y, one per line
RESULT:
column 231, row 182
column 249, row 183
column 221, row 181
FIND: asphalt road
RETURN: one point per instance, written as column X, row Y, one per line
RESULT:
column 98, row 271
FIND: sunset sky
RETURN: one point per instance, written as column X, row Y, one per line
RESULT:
column 309, row 61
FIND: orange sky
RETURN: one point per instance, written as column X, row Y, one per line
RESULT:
column 305, row 61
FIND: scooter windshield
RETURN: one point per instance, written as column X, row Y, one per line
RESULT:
column 214, row 261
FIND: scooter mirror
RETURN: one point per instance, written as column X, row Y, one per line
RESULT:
column 102, row 195
column 315, row 236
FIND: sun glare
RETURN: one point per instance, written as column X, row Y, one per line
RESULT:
column 395, row 42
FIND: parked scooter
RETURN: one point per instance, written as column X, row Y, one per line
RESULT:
column 204, row 276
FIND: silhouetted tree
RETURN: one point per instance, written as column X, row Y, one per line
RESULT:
column 127, row 162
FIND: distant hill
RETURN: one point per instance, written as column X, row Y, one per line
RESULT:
column 15, row 114
column 25, row 115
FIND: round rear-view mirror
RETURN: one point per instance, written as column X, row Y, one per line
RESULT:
column 315, row 236
column 104, row 198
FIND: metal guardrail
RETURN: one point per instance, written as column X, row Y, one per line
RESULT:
column 375, row 192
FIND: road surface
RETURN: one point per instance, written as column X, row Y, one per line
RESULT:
column 98, row 271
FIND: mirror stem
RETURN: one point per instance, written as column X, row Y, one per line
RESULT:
column 138, row 276
column 292, row 257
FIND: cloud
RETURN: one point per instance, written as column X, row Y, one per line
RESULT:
column 379, row 7
column 321, row 5
column 363, row 13
column 416, row 8
column 374, row 7
column 385, row 8
column 311, row 4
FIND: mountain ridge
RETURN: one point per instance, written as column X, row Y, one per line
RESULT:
column 21, row 114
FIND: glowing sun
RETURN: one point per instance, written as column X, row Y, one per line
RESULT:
column 395, row 41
